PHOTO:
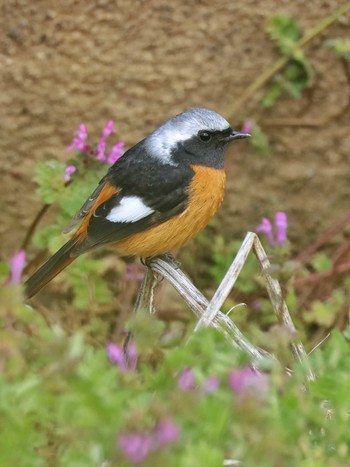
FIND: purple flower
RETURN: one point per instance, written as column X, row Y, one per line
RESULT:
column 266, row 228
column 186, row 381
column 125, row 362
column 136, row 447
column 108, row 129
column 211, row 384
column 79, row 142
column 70, row 169
column 278, row 234
column 247, row 126
column 248, row 381
column 116, row 152
column 17, row 263
column 166, row 431
column 101, row 147
column 281, row 223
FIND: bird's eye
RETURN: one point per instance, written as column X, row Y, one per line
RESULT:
column 204, row 136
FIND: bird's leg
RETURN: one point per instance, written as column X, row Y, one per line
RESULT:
column 169, row 258
column 144, row 299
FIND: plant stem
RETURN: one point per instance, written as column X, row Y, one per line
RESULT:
column 266, row 75
column 33, row 226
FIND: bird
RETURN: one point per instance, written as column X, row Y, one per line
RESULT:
column 155, row 198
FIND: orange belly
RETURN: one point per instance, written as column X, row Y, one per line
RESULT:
column 205, row 197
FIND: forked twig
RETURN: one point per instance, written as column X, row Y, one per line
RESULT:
column 250, row 242
column 209, row 312
column 198, row 304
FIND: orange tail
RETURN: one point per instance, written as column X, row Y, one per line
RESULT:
column 50, row 269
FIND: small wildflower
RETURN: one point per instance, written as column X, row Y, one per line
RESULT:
column 101, row 147
column 116, row 152
column 135, row 447
column 281, row 223
column 211, row 384
column 79, row 142
column 166, row 431
column 246, row 380
column 265, row 227
column 125, row 362
column 186, row 381
column 70, row 169
column 247, row 126
column 108, row 129
column 17, row 263
column 278, row 234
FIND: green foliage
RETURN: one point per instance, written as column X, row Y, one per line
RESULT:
column 62, row 403
column 85, row 276
column 321, row 262
column 260, row 141
column 50, row 181
column 284, row 30
column 298, row 72
column 340, row 46
column 222, row 256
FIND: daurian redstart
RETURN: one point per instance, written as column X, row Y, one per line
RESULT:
column 156, row 197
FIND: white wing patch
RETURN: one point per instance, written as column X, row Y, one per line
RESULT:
column 129, row 209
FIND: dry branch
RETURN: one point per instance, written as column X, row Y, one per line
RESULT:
column 209, row 313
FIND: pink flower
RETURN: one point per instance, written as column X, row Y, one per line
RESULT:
column 108, row 129
column 248, row 381
column 124, row 361
column 247, row 126
column 166, row 431
column 101, row 147
column 281, row 223
column 135, row 447
column 79, row 142
column 279, row 233
column 17, row 263
column 70, row 169
column 116, row 152
column 266, row 228
column 211, row 384
column 186, row 381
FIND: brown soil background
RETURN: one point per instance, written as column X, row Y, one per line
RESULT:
column 66, row 62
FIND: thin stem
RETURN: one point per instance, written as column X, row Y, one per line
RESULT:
column 33, row 226
column 266, row 75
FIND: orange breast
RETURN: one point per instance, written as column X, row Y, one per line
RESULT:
column 205, row 197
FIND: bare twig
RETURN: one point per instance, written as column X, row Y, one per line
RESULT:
column 227, row 283
column 210, row 314
column 327, row 235
column 279, row 305
column 33, row 225
column 198, row 304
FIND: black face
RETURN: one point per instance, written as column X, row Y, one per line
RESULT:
column 206, row 148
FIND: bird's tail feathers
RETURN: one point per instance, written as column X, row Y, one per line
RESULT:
column 59, row 261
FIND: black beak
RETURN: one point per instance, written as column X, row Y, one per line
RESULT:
column 236, row 135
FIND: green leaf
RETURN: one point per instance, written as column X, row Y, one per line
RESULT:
column 284, row 30
column 260, row 141
column 340, row 46
column 321, row 262
column 49, row 177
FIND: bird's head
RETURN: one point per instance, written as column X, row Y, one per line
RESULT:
column 198, row 136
